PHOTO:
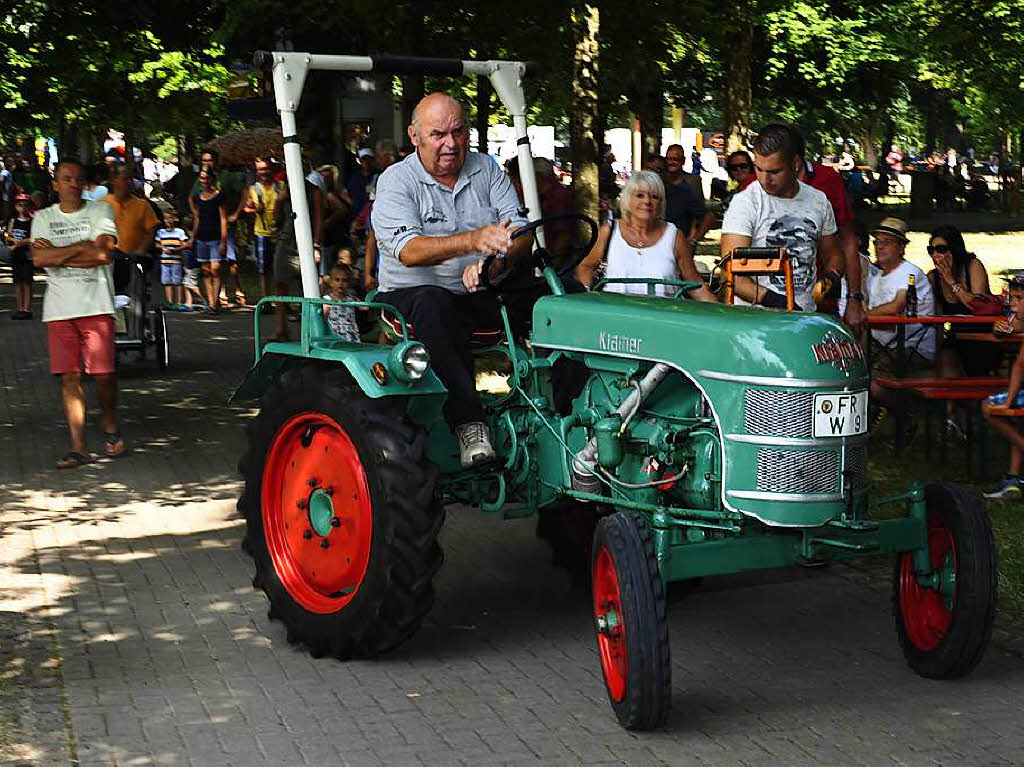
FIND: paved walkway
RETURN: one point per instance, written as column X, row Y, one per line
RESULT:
column 128, row 619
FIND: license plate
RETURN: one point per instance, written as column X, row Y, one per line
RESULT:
column 840, row 415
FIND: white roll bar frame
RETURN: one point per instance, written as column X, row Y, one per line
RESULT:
column 289, row 72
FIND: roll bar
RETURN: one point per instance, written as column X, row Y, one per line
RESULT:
column 289, row 71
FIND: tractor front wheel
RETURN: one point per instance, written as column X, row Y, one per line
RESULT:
column 944, row 619
column 629, row 612
column 341, row 518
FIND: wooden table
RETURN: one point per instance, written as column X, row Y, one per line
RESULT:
column 900, row 321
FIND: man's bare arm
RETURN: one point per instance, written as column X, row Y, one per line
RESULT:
column 82, row 255
column 487, row 240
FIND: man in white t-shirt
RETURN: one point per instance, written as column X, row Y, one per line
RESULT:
column 887, row 291
column 781, row 211
column 74, row 241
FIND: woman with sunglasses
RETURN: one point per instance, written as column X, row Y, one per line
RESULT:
column 740, row 167
column 960, row 284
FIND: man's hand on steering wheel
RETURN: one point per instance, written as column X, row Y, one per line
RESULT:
column 493, row 239
column 471, row 275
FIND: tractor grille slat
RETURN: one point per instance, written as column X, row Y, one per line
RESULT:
column 809, row 471
column 798, row 471
column 779, row 413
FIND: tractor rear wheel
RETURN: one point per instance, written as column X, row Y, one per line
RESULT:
column 629, row 612
column 944, row 625
column 341, row 518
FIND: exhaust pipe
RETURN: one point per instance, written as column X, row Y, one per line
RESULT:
column 584, row 463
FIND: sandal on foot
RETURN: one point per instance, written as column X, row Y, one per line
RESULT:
column 115, row 444
column 72, row 460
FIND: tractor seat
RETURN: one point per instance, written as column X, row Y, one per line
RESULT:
column 481, row 339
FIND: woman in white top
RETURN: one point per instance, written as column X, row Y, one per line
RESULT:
column 642, row 244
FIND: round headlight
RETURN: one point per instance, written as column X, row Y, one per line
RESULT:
column 415, row 361
column 409, row 361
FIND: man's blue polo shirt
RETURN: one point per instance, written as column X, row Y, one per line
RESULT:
column 411, row 203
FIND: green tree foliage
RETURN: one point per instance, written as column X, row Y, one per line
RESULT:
column 72, row 68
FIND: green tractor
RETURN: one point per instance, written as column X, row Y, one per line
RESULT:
column 707, row 439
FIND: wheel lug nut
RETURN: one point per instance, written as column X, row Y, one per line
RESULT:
column 308, row 534
column 324, row 543
column 335, row 522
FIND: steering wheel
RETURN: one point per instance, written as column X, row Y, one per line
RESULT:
column 540, row 257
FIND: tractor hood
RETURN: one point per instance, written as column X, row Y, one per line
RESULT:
column 705, row 340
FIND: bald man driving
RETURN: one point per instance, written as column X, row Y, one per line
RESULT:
column 437, row 215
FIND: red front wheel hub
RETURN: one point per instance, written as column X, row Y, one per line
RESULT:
column 317, row 514
column 927, row 612
column 611, row 633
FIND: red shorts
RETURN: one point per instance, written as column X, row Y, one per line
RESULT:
column 82, row 343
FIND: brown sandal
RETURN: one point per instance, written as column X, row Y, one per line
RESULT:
column 115, row 444
column 72, row 460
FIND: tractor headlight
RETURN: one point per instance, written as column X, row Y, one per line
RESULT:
column 409, row 361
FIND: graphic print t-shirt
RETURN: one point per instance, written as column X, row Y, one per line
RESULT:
column 72, row 291
column 796, row 223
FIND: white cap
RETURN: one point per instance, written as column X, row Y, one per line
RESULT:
column 366, row 152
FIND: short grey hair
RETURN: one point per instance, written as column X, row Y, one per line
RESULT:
column 415, row 121
column 642, row 180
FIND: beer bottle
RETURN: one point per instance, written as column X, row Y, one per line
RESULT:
column 911, row 308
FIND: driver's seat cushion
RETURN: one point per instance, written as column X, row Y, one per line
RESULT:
column 481, row 338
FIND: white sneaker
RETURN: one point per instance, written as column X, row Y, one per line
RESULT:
column 474, row 443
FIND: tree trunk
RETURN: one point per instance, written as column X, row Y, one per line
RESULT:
column 483, row 111
column 739, row 46
column 585, row 19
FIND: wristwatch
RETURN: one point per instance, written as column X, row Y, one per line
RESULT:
column 858, row 295
column 956, row 287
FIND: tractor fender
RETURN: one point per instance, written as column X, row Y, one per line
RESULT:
column 358, row 361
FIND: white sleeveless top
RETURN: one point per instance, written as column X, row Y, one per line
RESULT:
column 654, row 262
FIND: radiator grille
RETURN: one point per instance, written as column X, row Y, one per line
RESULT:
column 798, row 471
column 779, row 413
column 857, row 465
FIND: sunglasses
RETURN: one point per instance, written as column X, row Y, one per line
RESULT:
column 940, row 249
column 740, row 166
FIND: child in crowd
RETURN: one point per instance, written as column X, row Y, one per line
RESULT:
column 171, row 240
column 342, row 319
column 19, row 237
column 1013, row 398
column 192, row 295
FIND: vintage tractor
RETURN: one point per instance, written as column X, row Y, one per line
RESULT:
column 704, row 439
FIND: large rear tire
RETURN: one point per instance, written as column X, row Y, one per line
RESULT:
column 632, row 631
column 945, row 627
column 341, row 518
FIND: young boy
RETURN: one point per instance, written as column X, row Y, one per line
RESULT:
column 193, row 297
column 342, row 319
column 19, row 237
column 1013, row 398
column 171, row 240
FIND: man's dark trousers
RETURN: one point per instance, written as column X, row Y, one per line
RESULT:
column 444, row 322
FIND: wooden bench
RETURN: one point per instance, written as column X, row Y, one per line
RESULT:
column 890, row 382
column 957, row 392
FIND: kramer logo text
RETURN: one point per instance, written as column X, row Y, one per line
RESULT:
column 839, row 352
column 611, row 342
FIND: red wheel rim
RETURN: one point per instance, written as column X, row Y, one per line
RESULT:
column 312, row 465
column 611, row 634
column 925, row 615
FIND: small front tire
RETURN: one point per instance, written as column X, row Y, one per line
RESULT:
column 945, row 627
column 632, row 630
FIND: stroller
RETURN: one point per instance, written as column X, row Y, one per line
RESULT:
column 138, row 328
